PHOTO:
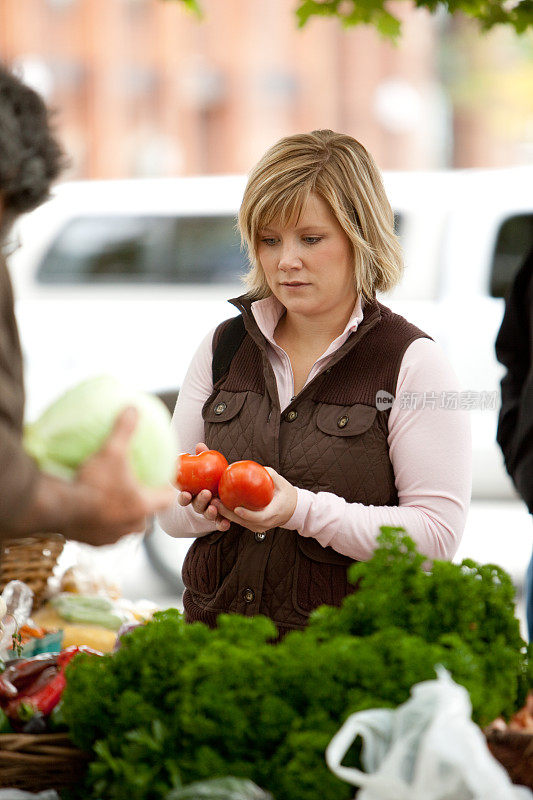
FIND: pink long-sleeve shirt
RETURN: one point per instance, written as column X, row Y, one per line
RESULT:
column 429, row 446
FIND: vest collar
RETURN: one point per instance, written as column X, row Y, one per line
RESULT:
column 372, row 314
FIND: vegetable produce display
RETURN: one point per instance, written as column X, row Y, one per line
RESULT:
column 247, row 484
column 69, row 619
column 203, row 471
column 31, row 688
column 76, row 425
column 95, row 610
column 180, row 703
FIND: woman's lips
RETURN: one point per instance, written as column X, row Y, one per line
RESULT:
column 295, row 285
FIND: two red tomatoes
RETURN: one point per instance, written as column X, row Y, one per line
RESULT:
column 243, row 483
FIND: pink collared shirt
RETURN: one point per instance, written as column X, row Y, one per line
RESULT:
column 429, row 446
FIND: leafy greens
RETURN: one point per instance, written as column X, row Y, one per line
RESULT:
column 180, row 703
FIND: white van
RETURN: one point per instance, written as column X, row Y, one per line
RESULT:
column 127, row 277
column 473, row 228
column 124, row 277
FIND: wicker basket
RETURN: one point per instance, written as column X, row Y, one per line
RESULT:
column 40, row 761
column 514, row 751
column 31, row 560
column 50, row 761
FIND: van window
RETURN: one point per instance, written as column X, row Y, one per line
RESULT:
column 514, row 241
column 141, row 249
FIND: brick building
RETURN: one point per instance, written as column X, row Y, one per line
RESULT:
column 142, row 88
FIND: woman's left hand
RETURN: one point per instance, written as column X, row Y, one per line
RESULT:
column 275, row 514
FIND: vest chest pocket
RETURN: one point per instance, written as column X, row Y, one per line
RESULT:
column 320, row 576
column 341, row 447
column 224, row 407
column 345, row 420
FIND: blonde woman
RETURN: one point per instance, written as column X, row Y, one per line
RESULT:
column 301, row 395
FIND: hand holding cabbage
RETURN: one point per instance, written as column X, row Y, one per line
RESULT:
column 116, row 503
column 102, row 449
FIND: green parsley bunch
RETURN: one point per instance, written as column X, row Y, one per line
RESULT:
column 181, row 703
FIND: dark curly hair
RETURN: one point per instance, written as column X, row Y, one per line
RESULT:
column 30, row 156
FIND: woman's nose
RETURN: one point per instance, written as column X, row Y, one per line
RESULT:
column 289, row 258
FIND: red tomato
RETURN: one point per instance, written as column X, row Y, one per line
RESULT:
column 246, row 484
column 194, row 473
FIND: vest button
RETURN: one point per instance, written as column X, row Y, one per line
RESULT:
column 342, row 422
column 291, row 415
column 220, row 408
column 248, row 595
column 259, row 537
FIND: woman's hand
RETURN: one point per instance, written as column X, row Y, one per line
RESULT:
column 202, row 501
column 275, row 514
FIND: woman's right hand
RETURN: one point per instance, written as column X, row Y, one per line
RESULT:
column 202, row 501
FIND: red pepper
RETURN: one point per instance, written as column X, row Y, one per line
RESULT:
column 49, row 696
column 22, row 706
column 45, row 692
column 21, row 673
column 24, row 670
column 45, row 698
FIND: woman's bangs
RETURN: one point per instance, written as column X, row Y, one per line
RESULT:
column 285, row 209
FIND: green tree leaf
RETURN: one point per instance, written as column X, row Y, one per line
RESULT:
column 192, row 5
column 488, row 13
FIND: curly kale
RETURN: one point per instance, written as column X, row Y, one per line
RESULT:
column 180, row 703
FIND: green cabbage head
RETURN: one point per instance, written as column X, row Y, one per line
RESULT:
column 76, row 425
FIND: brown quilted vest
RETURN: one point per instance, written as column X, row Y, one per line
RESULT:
column 331, row 438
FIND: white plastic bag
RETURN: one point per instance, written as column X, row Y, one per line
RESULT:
column 16, row 603
column 19, row 794
column 426, row 749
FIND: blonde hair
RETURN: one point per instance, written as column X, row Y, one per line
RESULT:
column 338, row 169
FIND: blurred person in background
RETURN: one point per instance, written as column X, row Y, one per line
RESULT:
column 105, row 501
column 309, row 391
column 514, row 349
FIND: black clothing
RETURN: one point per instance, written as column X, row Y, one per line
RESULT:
column 514, row 349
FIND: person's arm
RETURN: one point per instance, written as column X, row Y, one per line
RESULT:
column 431, row 453
column 513, row 352
column 19, row 474
column 188, row 426
column 103, row 503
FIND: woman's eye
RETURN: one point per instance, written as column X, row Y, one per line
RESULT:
column 312, row 239
column 268, row 240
